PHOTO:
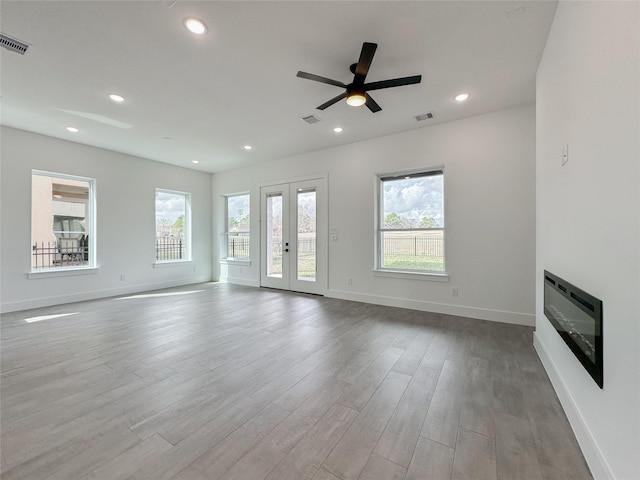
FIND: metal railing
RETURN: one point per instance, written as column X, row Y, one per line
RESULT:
column 61, row 253
column 430, row 246
column 170, row 248
column 65, row 253
column 238, row 246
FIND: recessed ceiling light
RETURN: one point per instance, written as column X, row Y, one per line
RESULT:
column 461, row 97
column 195, row 26
column 195, row 161
column 337, row 129
column 247, row 147
column 116, row 98
column 72, row 129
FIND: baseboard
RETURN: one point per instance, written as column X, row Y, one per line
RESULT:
column 515, row 318
column 240, row 281
column 592, row 454
column 93, row 295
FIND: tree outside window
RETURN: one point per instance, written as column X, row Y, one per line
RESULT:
column 173, row 210
column 238, row 227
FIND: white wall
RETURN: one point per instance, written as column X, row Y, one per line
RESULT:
column 489, row 165
column 588, row 217
column 125, row 190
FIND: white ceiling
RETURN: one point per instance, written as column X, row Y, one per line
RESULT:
column 237, row 85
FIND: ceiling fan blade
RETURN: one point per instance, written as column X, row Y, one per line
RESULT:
column 332, row 101
column 366, row 57
column 318, row 78
column 372, row 104
column 396, row 82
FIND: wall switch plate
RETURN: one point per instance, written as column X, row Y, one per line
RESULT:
column 454, row 292
column 565, row 154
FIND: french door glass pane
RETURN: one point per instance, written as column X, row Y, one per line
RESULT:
column 274, row 235
column 306, row 202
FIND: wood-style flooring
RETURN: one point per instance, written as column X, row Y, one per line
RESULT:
column 216, row 381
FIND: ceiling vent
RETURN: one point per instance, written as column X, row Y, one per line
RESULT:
column 424, row 116
column 12, row 44
column 311, row 119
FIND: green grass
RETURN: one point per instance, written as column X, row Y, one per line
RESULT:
column 412, row 262
column 306, row 266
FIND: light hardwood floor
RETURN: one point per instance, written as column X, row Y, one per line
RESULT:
column 215, row 381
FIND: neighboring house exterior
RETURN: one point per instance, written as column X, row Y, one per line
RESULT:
column 58, row 226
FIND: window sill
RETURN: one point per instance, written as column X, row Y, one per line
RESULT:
column 232, row 261
column 172, row 263
column 66, row 272
column 426, row 276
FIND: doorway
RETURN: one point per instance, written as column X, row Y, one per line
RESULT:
column 293, row 236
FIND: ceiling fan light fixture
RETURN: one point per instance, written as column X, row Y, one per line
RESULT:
column 356, row 99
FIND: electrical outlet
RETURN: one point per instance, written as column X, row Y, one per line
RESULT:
column 122, row 277
column 454, row 291
column 349, row 281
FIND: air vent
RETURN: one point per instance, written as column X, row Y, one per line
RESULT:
column 12, row 44
column 424, row 116
column 311, row 119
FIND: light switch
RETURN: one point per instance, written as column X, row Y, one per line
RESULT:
column 565, row 153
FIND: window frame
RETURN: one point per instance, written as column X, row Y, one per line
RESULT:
column 187, row 256
column 379, row 268
column 90, row 228
column 227, row 257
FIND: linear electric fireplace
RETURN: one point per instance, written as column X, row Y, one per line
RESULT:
column 577, row 317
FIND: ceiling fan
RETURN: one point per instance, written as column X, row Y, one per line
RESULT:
column 356, row 92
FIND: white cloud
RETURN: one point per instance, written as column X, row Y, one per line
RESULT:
column 238, row 206
column 169, row 205
column 415, row 198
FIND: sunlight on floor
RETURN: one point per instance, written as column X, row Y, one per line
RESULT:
column 48, row 317
column 152, row 295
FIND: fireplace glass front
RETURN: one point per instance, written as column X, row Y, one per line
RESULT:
column 577, row 317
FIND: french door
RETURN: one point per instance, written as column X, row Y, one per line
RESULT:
column 293, row 236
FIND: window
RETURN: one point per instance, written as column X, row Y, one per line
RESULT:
column 62, row 221
column 238, row 227
column 173, row 226
column 411, row 222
